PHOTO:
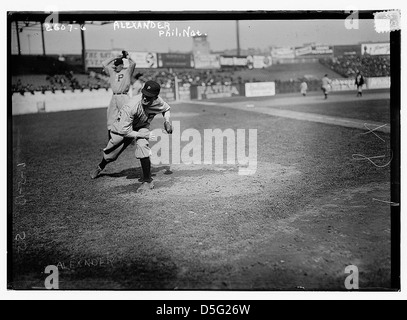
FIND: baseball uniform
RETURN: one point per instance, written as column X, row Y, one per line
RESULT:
column 326, row 85
column 133, row 116
column 303, row 88
column 359, row 82
column 120, row 84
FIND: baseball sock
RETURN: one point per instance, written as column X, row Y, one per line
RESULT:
column 146, row 167
column 102, row 164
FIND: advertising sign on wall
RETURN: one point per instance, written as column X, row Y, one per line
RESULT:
column 343, row 84
column 321, row 49
column 378, row 83
column 260, row 89
column 217, row 91
column 375, row 48
column 94, row 58
column 144, row 59
column 207, row 61
column 233, row 61
column 303, row 50
column 283, row 52
column 175, row 60
column 258, row 62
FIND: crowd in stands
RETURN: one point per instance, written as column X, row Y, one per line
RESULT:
column 370, row 66
column 96, row 81
column 347, row 66
column 65, row 82
column 188, row 77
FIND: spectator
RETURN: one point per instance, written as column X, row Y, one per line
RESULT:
column 31, row 89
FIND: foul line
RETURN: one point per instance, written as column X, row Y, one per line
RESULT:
column 303, row 116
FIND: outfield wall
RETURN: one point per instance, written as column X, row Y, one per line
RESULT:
column 59, row 101
column 371, row 83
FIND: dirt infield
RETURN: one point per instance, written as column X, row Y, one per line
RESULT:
column 312, row 208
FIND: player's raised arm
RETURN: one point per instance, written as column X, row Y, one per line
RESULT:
column 132, row 64
column 108, row 61
column 106, row 64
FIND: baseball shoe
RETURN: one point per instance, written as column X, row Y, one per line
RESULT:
column 145, row 186
column 96, row 173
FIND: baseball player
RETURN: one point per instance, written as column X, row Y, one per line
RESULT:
column 326, row 85
column 359, row 82
column 304, row 88
column 133, row 123
column 119, row 79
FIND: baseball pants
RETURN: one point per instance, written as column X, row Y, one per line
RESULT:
column 117, row 144
column 116, row 103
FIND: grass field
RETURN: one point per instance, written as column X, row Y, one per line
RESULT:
column 309, row 211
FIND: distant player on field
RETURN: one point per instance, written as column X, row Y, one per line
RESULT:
column 304, row 88
column 133, row 123
column 326, row 85
column 359, row 82
column 119, row 79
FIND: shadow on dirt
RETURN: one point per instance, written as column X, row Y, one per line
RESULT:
column 156, row 271
column 135, row 173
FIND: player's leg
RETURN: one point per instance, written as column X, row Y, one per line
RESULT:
column 143, row 152
column 112, row 114
column 116, row 145
column 116, row 103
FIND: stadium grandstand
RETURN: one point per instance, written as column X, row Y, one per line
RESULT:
column 370, row 66
column 39, row 74
column 286, row 67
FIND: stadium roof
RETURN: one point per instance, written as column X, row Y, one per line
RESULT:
column 38, row 25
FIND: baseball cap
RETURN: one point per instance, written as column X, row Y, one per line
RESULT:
column 118, row 62
column 151, row 89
